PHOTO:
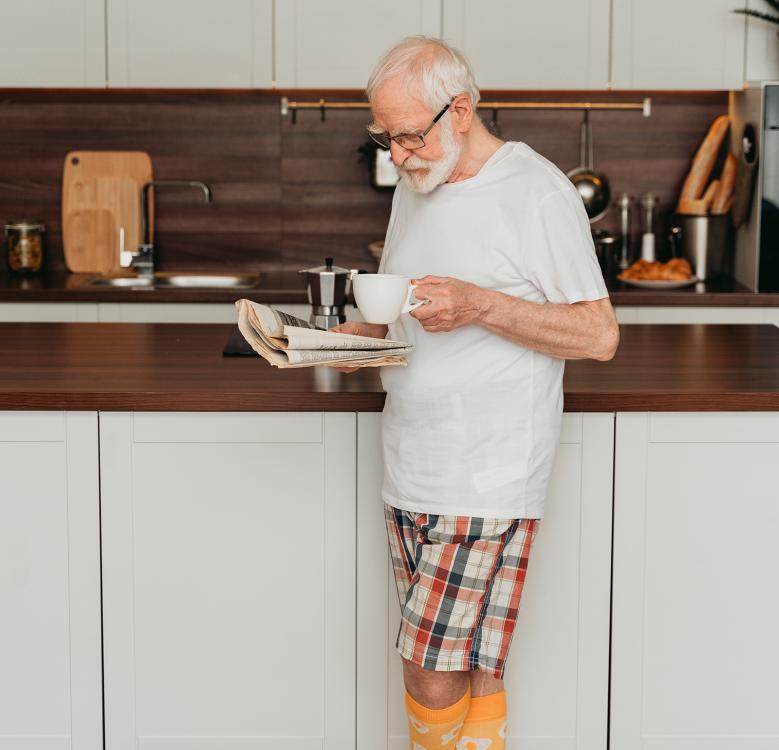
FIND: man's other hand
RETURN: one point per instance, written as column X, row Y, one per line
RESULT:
column 452, row 303
column 372, row 330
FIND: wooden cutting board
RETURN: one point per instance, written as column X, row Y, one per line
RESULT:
column 100, row 198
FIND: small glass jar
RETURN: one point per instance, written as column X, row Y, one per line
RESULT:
column 24, row 246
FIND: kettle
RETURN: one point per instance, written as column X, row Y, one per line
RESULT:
column 327, row 287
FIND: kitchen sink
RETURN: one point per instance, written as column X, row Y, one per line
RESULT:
column 206, row 280
column 119, row 281
column 163, row 280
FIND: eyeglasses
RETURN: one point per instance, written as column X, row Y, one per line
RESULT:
column 408, row 141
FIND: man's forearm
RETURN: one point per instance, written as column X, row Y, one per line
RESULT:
column 577, row 331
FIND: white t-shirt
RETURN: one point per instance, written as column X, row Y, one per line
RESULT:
column 471, row 426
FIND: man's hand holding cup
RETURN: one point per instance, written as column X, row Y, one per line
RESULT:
column 452, row 303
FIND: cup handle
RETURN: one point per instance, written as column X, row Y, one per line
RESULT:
column 409, row 305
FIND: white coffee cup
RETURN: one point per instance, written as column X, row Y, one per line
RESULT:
column 382, row 297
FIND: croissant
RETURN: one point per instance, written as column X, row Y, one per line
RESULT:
column 676, row 269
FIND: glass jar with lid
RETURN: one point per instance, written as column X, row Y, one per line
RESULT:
column 24, row 246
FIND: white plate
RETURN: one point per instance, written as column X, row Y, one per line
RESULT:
column 659, row 284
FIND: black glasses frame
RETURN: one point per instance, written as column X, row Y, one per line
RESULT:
column 384, row 139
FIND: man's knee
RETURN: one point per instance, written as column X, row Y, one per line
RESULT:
column 434, row 689
column 484, row 683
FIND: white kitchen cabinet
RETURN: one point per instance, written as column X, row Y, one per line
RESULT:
column 190, row 43
column 50, row 671
column 48, row 312
column 762, row 52
column 336, row 44
column 667, row 44
column 557, row 672
column 185, row 312
column 139, row 312
column 672, row 314
column 53, row 43
column 228, row 579
column 178, row 312
column 562, row 44
column 695, row 601
column 218, row 312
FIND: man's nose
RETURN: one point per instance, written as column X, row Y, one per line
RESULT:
column 398, row 154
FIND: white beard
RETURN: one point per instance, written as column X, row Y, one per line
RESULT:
column 437, row 171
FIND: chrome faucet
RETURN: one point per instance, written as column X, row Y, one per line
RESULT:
column 143, row 260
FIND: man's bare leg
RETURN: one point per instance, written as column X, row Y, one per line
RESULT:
column 483, row 683
column 433, row 689
column 441, row 689
column 437, row 704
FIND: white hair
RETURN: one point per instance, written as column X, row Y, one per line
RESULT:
column 434, row 71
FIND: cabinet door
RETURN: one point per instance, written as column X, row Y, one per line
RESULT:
column 190, row 43
column 666, row 44
column 557, row 672
column 228, row 580
column 49, row 312
column 336, row 44
column 562, row 44
column 695, row 602
column 50, row 672
column 52, row 43
column 762, row 54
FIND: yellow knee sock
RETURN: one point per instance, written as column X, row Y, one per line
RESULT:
column 485, row 724
column 438, row 728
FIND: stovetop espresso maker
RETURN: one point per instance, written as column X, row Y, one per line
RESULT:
column 327, row 287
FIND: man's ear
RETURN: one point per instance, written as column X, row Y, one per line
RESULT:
column 462, row 111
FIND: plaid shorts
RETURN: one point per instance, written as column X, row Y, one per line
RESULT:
column 459, row 583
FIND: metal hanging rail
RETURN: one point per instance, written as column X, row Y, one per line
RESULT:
column 644, row 106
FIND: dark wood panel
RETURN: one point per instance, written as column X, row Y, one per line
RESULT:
column 231, row 142
column 348, row 250
column 295, row 189
column 244, row 251
column 180, row 367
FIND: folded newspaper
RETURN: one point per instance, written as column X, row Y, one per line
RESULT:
column 287, row 341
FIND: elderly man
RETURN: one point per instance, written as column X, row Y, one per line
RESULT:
column 498, row 244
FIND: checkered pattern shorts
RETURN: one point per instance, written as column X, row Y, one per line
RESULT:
column 459, row 583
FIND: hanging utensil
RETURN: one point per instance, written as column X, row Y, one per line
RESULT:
column 493, row 126
column 625, row 205
column 592, row 186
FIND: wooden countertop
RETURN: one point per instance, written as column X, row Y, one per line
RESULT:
column 164, row 367
column 287, row 286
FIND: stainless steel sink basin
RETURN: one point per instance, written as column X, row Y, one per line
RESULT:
column 119, row 281
column 164, row 280
column 206, row 280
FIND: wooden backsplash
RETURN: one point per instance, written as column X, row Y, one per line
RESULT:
column 286, row 195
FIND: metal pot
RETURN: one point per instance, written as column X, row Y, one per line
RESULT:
column 593, row 187
column 605, row 247
column 706, row 241
column 327, row 287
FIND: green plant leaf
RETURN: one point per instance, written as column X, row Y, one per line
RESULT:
column 757, row 14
